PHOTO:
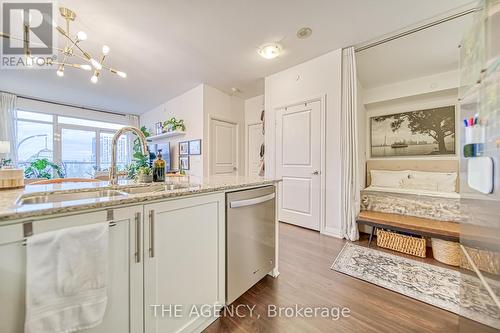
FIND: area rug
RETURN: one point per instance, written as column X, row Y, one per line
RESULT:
column 445, row 288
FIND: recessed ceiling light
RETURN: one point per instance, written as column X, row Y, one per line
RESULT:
column 304, row 33
column 270, row 51
column 235, row 90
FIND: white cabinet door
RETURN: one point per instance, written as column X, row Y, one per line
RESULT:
column 184, row 261
column 298, row 163
column 124, row 312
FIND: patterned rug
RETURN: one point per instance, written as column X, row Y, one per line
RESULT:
column 445, row 288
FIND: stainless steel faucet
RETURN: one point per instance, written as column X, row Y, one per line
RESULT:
column 113, row 175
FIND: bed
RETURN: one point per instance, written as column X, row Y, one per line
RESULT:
column 421, row 188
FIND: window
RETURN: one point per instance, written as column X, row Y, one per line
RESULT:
column 82, row 146
column 34, row 137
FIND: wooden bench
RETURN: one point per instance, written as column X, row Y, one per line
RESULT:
column 410, row 224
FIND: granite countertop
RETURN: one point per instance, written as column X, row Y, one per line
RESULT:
column 10, row 210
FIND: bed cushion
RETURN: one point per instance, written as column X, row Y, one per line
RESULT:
column 420, row 184
column 443, row 182
column 386, row 178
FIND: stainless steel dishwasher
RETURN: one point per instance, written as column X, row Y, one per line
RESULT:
column 250, row 238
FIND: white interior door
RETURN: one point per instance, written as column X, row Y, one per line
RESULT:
column 223, row 147
column 298, row 163
column 255, row 139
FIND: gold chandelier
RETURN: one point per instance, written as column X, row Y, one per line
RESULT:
column 71, row 50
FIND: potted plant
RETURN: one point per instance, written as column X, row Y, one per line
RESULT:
column 139, row 159
column 144, row 175
column 43, row 168
column 174, row 125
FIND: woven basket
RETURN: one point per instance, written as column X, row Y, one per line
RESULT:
column 486, row 261
column 446, row 252
column 401, row 243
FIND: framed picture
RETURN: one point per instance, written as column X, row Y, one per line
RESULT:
column 195, row 147
column 414, row 133
column 159, row 128
column 184, row 148
column 184, row 162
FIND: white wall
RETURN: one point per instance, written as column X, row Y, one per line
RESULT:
column 253, row 109
column 222, row 106
column 418, row 86
column 317, row 78
column 188, row 106
column 195, row 107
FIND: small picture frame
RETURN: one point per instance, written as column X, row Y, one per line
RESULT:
column 184, row 148
column 184, row 162
column 195, row 147
column 159, row 128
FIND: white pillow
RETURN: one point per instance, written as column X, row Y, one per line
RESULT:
column 445, row 182
column 420, row 184
column 386, row 178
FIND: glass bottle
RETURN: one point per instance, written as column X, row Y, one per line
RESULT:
column 159, row 168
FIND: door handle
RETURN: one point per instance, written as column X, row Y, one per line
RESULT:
column 316, row 172
column 151, row 233
column 137, row 253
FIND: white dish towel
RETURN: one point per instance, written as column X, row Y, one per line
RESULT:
column 66, row 279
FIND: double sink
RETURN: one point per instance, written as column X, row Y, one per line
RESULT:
column 95, row 194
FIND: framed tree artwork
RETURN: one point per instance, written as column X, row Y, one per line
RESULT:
column 416, row 133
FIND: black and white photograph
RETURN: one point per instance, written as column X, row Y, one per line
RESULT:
column 184, row 162
column 415, row 133
column 195, row 147
column 184, row 148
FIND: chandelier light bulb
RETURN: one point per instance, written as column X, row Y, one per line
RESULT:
column 60, row 73
column 81, row 35
column 121, row 74
column 94, row 79
column 105, row 50
column 97, row 65
column 86, row 67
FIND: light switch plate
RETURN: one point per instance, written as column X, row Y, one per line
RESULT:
column 480, row 174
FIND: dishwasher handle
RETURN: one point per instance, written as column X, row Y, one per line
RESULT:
column 251, row 202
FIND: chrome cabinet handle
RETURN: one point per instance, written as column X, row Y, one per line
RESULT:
column 151, row 233
column 137, row 253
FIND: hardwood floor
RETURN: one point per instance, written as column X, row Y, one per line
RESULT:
column 306, row 279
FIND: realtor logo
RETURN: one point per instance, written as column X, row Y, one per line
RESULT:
column 28, row 34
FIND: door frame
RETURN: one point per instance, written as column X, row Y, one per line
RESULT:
column 322, row 107
column 209, row 150
column 247, row 142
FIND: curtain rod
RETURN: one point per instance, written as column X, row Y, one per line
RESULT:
column 64, row 104
column 417, row 29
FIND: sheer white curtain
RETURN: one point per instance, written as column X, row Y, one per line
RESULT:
column 8, row 128
column 349, row 147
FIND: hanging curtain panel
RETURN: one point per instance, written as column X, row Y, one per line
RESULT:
column 349, row 147
column 8, row 128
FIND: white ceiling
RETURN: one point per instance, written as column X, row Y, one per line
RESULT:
column 427, row 52
column 168, row 47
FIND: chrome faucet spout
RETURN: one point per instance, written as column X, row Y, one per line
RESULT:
column 113, row 174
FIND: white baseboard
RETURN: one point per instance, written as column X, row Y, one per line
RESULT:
column 332, row 232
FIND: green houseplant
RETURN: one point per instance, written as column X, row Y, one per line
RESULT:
column 173, row 125
column 43, row 168
column 144, row 174
column 139, row 160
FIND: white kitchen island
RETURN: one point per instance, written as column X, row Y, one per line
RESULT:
column 166, row 252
